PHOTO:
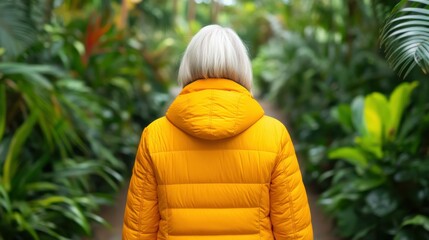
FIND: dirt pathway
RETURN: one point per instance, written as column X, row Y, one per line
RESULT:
column 322, row 226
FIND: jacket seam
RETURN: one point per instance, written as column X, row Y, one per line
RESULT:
column 189, row 150
column 259, row 211
column 210, row 112
column 167, row 215
column 141, row 212
column 141, row 190
column 216, row 183
column 212, row 234
column 289, row 190
column 236, row 112
column 214, row 207
column 283, row 157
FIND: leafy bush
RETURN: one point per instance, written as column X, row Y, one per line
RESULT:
column 48, row 174
column 307, row 73
column 327, row 57
column 69, row 126
column 382, row 176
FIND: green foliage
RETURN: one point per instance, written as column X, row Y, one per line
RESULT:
column 405, row 36
column 325, row 53
column 39, row 94
column 42, row 189
column 69, row 126
column 16, row 31
column 2, row 109
column 10, row 165
column 378, row 177
column 331, row 59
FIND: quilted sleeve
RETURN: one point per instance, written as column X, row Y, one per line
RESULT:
column 289, row 213
column 141, row 217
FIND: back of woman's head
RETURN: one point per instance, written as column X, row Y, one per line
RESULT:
column 216, row 52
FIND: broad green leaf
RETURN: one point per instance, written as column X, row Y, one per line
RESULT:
column 352, row 155
column 15, row 147
column 399, row 100
column 363, row 184
column 373, row 124
column 370, row 144
column 2, row 109
column 376, row 115
column 357, row 108
column 343, row 114
column 419, row 220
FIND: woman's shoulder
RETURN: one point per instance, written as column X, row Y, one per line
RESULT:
column 273, row 123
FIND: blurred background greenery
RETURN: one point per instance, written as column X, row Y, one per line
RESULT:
column 80, row 79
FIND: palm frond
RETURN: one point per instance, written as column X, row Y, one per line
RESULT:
column 16, row 30
column 405, row 36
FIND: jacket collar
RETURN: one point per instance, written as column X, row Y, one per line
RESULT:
column 214, row 109
column 214, row 83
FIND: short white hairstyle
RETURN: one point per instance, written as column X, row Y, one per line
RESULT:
column 216, row 52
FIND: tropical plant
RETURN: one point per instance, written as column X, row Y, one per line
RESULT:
column 307, row 73
column 65, row 124
column 21, row 21
column 405, row 36
column 42, row 188
column 381, row 176
column 16, row 33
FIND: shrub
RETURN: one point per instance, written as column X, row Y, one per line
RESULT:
column 68, row 126
column 382, row 176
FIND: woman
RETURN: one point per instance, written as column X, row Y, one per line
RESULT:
column 215, row 167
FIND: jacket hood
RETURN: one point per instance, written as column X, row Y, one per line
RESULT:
column 214, row 109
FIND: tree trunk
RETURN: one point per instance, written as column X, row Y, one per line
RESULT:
column 191, row 10
column 215, row 9
column 174, row 9
column 124, row 15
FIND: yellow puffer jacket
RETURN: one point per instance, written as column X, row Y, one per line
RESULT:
column 216, row 168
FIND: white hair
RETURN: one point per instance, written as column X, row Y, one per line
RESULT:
column 216, row 52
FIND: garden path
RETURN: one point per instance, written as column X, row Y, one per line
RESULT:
column 322, row 226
